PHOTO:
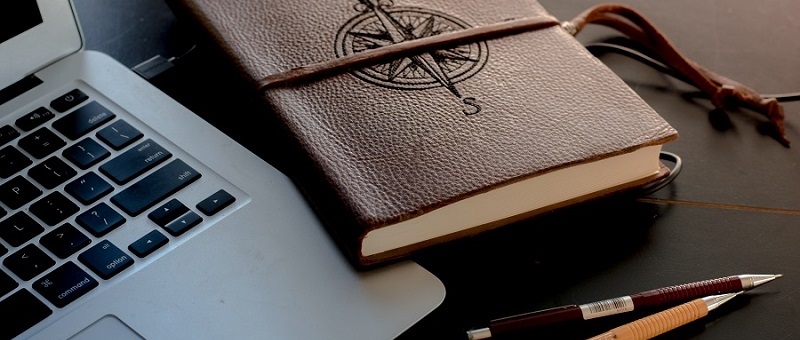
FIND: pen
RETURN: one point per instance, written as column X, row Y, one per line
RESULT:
column 660, row 297
column 664, row 321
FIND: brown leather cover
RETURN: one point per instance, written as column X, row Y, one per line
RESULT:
column 392, row 142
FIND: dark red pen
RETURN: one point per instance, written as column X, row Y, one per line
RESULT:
column 653, row 298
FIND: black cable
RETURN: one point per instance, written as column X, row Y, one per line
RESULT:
column 661, row 183
column 598, row 47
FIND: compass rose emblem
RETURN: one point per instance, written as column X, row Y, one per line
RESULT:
column 380, row 23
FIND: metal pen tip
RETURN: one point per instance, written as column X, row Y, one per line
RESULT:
column 478, row 334
column 715, row 301
column 754, row 280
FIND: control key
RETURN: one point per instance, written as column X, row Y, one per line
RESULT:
column 27, row 311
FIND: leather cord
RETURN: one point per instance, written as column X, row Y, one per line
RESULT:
column 724, row 92
column 408, row 47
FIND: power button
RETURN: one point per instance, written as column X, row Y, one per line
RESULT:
column 68, row 100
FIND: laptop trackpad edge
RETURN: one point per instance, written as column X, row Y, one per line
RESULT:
column 107, row 327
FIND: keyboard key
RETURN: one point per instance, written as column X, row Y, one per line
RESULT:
column 105, row 259
column 3, row 251
column 148, row 243
column 119, row 134
column 51, row 173
column 2, row 214
column 28, row 262
column 34, row 119
column 7, row 284
column 17, row 192
column 64, row 241
column 216, row 202
column 100, row 220
column 168, row 212
column 19, row 228
column 7, row 134
column 12, row 161
column 54, row 208
column 183, row 224
column 86, row 153
column 68, row 100
column 41, row 143
column 88, row 188
column 79, row 122
column 156, row 186
column 65, row 284
column 135, row 161
column 28, row 311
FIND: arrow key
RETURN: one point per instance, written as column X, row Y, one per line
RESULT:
column 168, row 212
column 183, row 224
column 64, row 241
column 216, row 202
column 148, row 243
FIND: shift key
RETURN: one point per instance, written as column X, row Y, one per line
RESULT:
column 155, row 187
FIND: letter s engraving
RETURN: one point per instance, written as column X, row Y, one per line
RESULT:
column 473, row 108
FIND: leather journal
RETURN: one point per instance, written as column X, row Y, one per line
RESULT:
column 427, row 121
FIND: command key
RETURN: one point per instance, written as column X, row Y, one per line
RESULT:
column 65, row 284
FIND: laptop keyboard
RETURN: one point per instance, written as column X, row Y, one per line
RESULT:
column 88, row 195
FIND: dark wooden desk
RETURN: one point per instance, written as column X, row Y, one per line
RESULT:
column 734, row 209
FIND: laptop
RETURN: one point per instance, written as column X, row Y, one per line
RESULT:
column 126, row 216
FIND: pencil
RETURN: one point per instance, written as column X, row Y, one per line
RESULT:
column 662, row 322
column 656, row 298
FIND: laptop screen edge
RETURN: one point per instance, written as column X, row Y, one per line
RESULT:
column 56, row 37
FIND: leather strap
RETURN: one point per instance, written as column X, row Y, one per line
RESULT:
column 724, row 92
column 374, row 56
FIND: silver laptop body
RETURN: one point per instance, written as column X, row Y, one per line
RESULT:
column 243, row 257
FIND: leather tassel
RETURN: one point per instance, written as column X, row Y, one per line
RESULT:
column 723, row 92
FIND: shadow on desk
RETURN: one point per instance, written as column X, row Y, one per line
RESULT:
column 612, row 248
column 513, row 269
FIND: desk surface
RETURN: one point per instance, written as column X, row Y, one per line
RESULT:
column 734, row 209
